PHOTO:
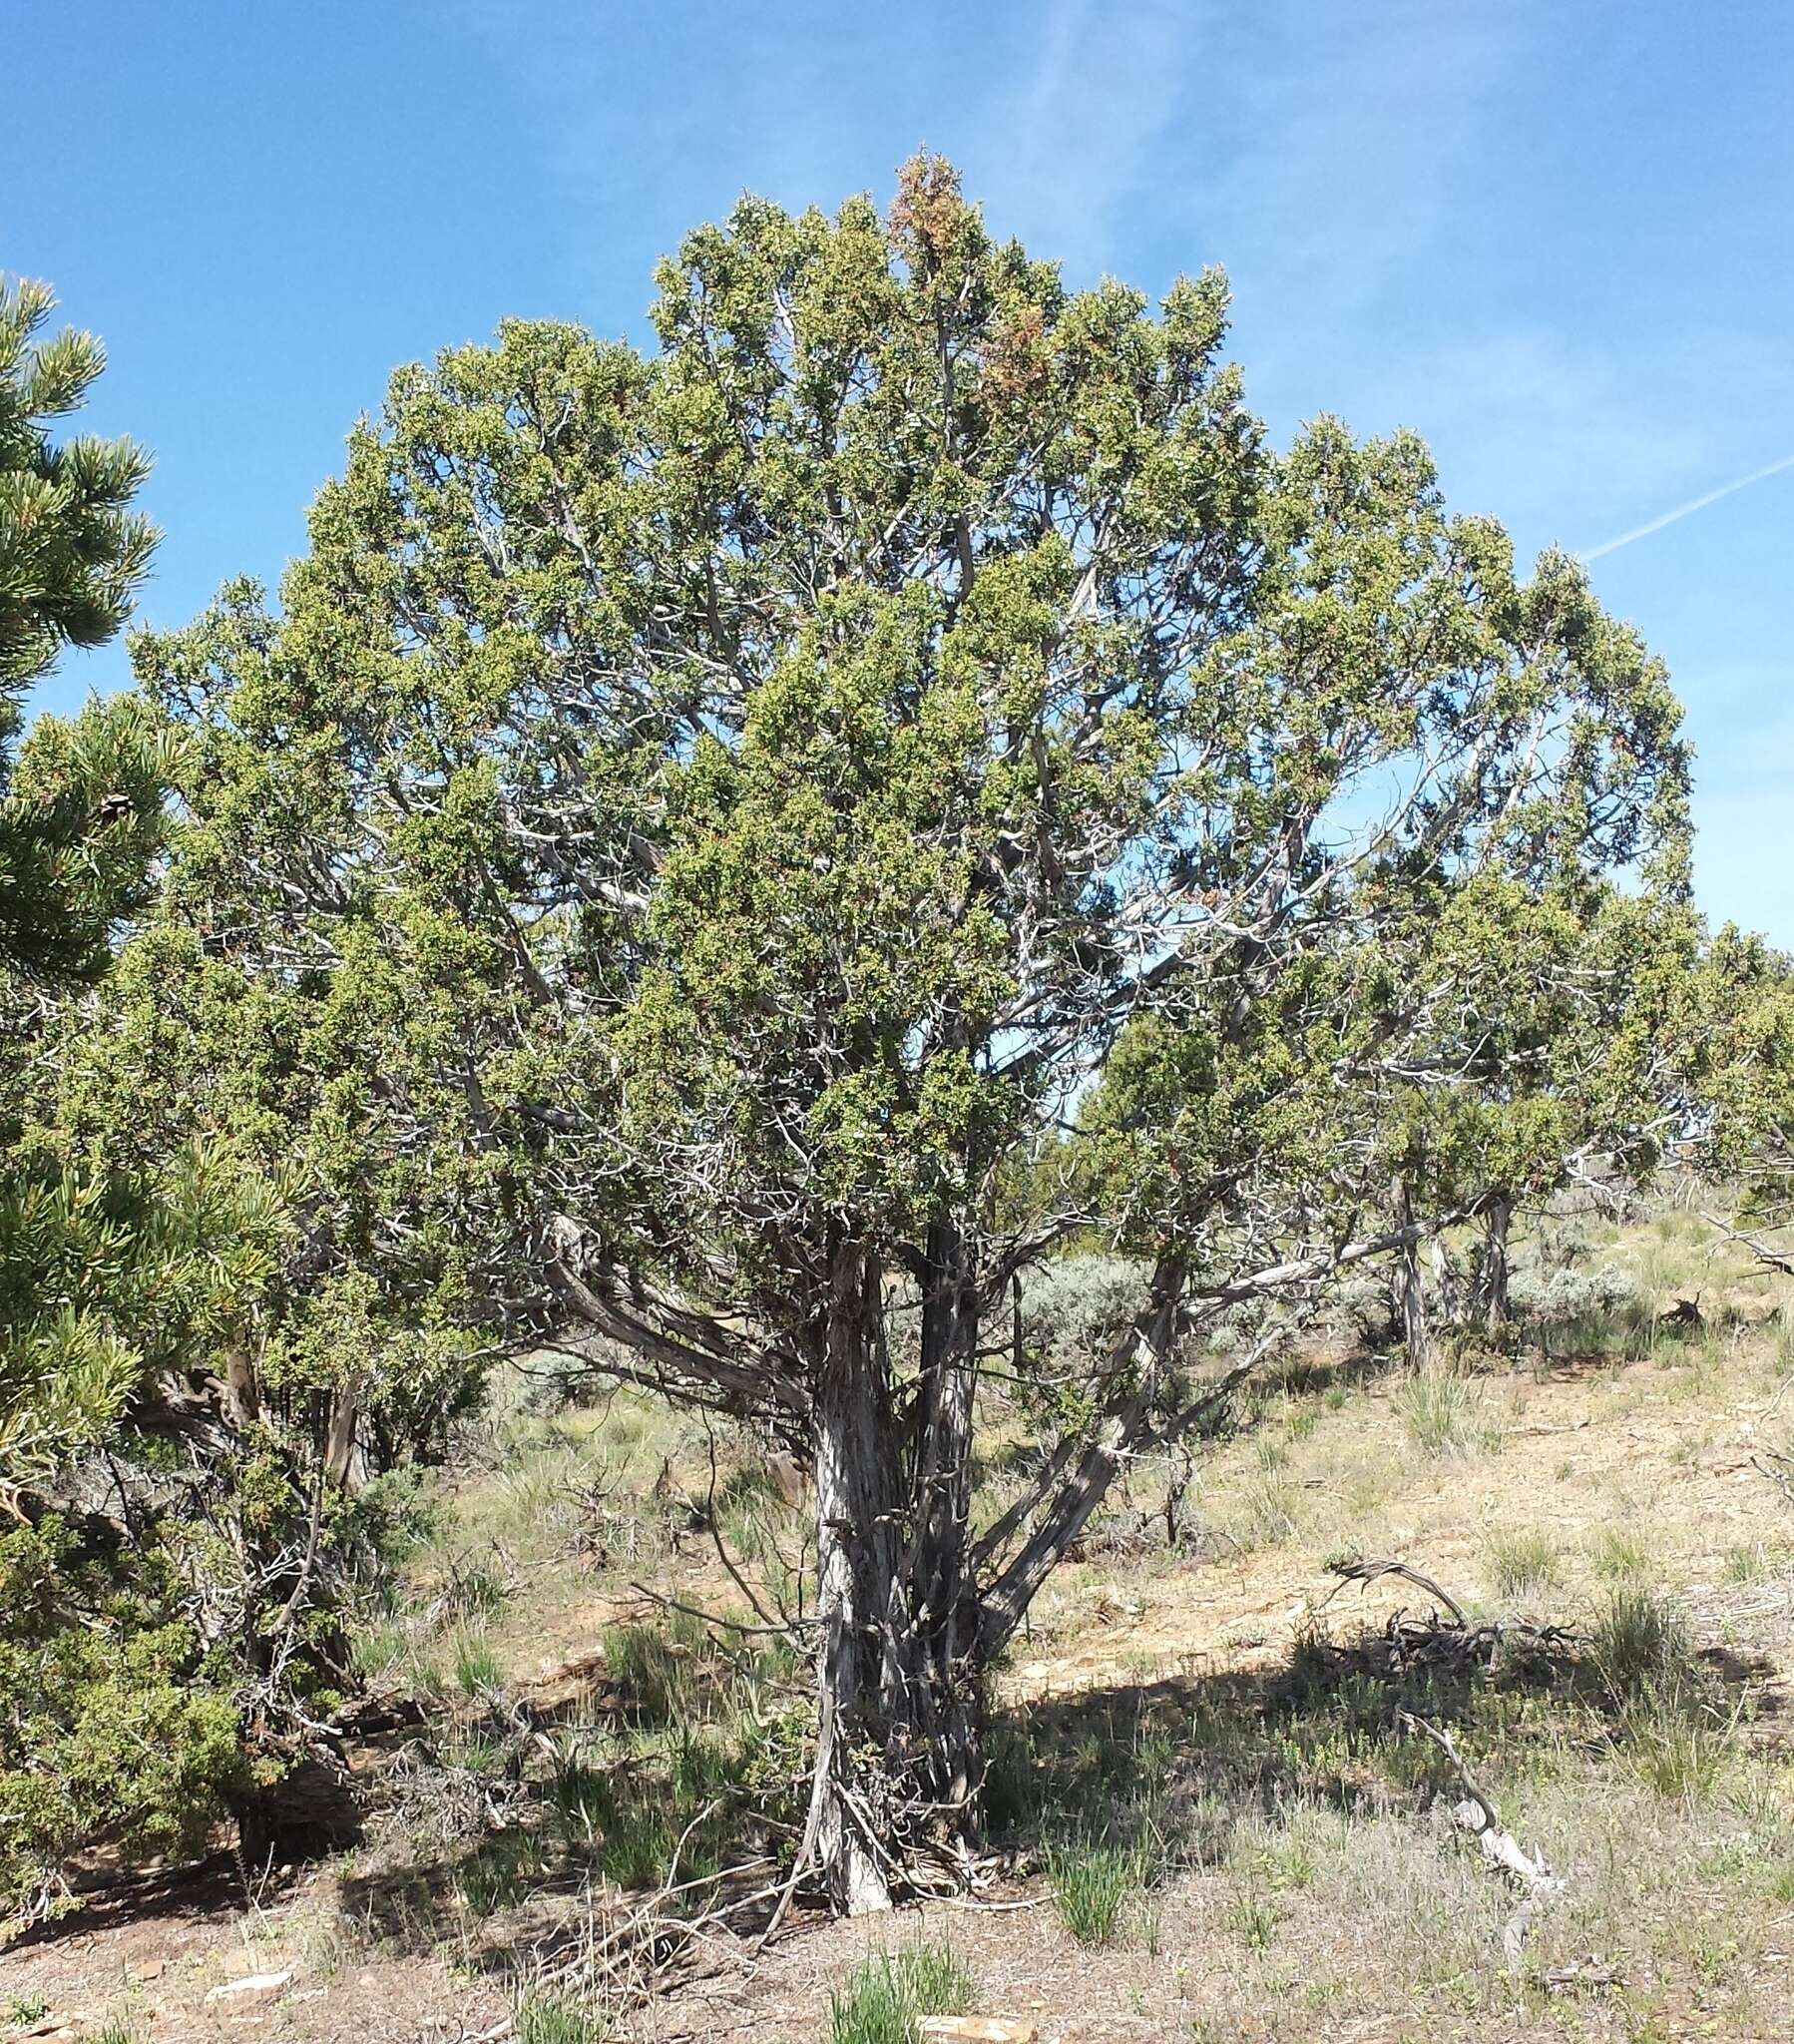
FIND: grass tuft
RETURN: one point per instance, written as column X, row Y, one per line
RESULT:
column 1521, row 1563
column 1447, row 1415
column 649, row 1670
column 885, row 1999
column 1093, row 1887
column 545, row 2018
column 1640, row 1645
column 478, row 1668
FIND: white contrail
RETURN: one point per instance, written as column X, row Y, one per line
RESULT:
column 1684, row 510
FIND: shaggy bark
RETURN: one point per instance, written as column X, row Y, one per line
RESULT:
column 1410, row 1292
column 896, row 1734
column 1496, row 1219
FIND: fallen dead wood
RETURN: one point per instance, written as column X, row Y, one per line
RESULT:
column 1779, row 1468
column 975, row 2030
column 1409, row 1644
column 1366, row 1572
column 1500, row 1850
column 1585, row 1973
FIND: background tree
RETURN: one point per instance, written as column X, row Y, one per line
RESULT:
column 79, row 819
column 786, row 771
column 126, row 1269
column 1541, row 1042
column 1738, row 1130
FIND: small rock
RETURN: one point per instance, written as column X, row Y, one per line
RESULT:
column 146, row 1969
column 251, row 1987
column 976, row 2030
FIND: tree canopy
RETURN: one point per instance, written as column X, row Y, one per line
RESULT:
column 729, row 857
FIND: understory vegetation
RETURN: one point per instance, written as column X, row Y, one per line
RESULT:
column 866, row 1118
column 1232, row 1812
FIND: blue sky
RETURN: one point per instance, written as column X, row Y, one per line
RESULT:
column 1556, row 239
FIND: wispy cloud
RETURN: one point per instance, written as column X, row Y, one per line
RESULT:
column 1074, row 135
column 1688, row 510
column 1547, row 428
column 1344, row 143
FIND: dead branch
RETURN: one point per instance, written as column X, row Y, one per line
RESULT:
column 1365, row 1572
column 1457, row 1643
column 1500, row 1850
column 1779, row 1469
column 779, row 1631
column 1774, row 1259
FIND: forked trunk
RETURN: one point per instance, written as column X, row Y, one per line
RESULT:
column 895, row 1749
column 343, row 1461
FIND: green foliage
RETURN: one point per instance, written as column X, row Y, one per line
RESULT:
column 898, row 780
column 129, row 1576
column 118, row 1724
column 106, row 1278
column 72, row 552
column 885, row 1997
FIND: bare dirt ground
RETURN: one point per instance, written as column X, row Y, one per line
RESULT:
column 1312, row 1914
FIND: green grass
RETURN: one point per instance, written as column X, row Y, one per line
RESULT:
column 1617, row 1554
column 1640, row 1645
column 585, row 1798
column 1521, row 1563
column 478, row 1668
column 885, row 1998
column 501, row 1873
column 1676, row 1753
column 639, row 1845
column 1759, row 1562
column 1673, row 1731
column 651, row 1673
column 543, row 2017
column 1252, row 1915
column 1093, row 1887
column 1446, row 1415
column 1263, row 1513
column 475, row 1594
column 377, row 1648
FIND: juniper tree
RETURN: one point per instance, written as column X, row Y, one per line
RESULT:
column 1738, row 1033
column 909, row 723
column 1537, row 1039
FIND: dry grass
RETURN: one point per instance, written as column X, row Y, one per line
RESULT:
column 1221, row 1833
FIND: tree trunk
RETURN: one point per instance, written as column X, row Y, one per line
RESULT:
column 1444, row 1285
column 1083, row 1478
column 308, row 1811
column 1410, row 1294
column 342, row 1463
column 243, row 1399
column 896, row 1747
column 1496, row 1219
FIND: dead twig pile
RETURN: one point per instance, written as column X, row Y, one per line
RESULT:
column 1446, row 1641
